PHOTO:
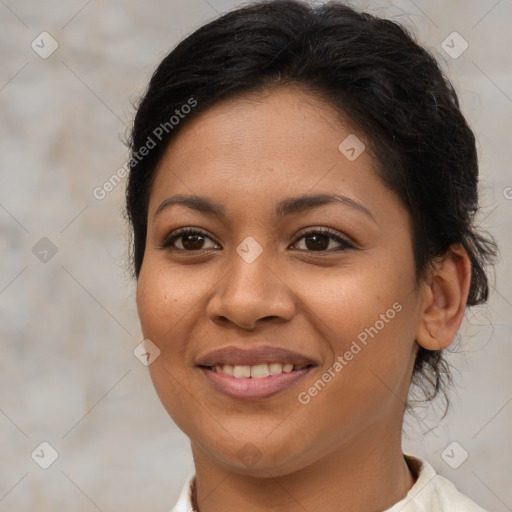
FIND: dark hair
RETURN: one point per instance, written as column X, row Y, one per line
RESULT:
column 371, row 72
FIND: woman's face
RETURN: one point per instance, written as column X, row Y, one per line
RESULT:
column 261, row 285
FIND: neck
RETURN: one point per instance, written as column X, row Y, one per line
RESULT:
column 368, row 475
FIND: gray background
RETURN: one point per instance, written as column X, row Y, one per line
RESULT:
column 68, row 325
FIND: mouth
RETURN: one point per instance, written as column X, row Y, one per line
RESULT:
column 253, row 388
column 257, row 371
column 254, row 374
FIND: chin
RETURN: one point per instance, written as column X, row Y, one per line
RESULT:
column 258, row 456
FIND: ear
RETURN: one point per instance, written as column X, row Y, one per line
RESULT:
column 445, row 294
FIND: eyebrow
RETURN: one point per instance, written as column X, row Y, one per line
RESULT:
column 284, row 208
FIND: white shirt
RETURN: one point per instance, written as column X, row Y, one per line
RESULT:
column 430, row 493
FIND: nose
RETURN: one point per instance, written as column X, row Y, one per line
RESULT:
column 251, row 293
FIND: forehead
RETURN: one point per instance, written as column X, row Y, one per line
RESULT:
column 256, row 142
column 254, row 156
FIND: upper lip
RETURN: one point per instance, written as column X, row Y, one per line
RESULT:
column 237, row 356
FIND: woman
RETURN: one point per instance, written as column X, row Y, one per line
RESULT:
column 302, row 193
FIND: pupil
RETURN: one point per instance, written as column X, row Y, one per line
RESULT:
column 317, row 244
column 195, row 240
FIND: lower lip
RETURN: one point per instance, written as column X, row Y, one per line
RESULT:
column 250, row 388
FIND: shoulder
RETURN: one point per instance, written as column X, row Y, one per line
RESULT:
column 433, row 492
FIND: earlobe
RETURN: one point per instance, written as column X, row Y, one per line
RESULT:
column 444, row 299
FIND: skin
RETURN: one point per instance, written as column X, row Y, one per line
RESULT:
column 342, row 450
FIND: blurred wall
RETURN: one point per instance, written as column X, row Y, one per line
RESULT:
column 68, row 321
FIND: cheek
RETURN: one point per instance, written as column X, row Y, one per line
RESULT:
column 348, row 301
column 369, row 319
column 165, row 296
column 163, row 301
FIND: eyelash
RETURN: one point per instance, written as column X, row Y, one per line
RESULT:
column 169, row 240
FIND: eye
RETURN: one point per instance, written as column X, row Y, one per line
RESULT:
column 316, row 240
column 191, row 239
column 319, row 239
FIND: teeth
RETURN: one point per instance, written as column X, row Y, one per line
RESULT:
column 275, row 368
column 227, row 369
column 241, row 371
column 257, row 371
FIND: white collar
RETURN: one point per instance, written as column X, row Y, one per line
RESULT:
column 430, row 493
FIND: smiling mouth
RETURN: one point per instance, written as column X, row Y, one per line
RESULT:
column 257, row 371
column 254, row 382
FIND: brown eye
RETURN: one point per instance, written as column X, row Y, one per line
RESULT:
column 192, row 242
column 189, row 239
column 318, row 240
